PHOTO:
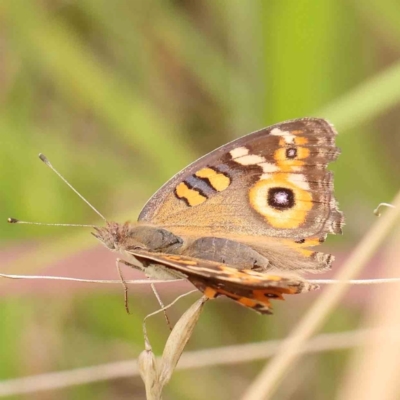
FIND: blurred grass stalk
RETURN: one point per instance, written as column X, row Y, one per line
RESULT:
column 365, row 102
column 208, row 358
column 373, row 372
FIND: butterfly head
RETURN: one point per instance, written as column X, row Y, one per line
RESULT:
column 113, row 235
column 130, row 236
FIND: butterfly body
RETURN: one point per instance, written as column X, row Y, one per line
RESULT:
column 240, row 221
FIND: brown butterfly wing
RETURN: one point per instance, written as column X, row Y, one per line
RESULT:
column 270, row 183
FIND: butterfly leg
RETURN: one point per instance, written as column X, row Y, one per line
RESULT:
column 163, row 309
column 162, row 306
column 124, row 285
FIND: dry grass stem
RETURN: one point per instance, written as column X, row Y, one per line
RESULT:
column 163, row 309
column 178, row 339
column 355, row 281
column 377, row 210
column 228, row 355
column 150, row 282
column 268, row 380
column 149, row 372
column 377, row 366
column 155, row 374
column 106, row 281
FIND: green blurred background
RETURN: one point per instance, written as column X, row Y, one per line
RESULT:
column 120, row 95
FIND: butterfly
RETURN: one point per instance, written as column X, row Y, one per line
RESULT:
column 240, row 221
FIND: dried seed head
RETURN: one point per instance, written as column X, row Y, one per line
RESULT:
column 177, row 340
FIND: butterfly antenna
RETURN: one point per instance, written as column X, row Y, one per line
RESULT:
column 48, row 163
column 17, row 221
